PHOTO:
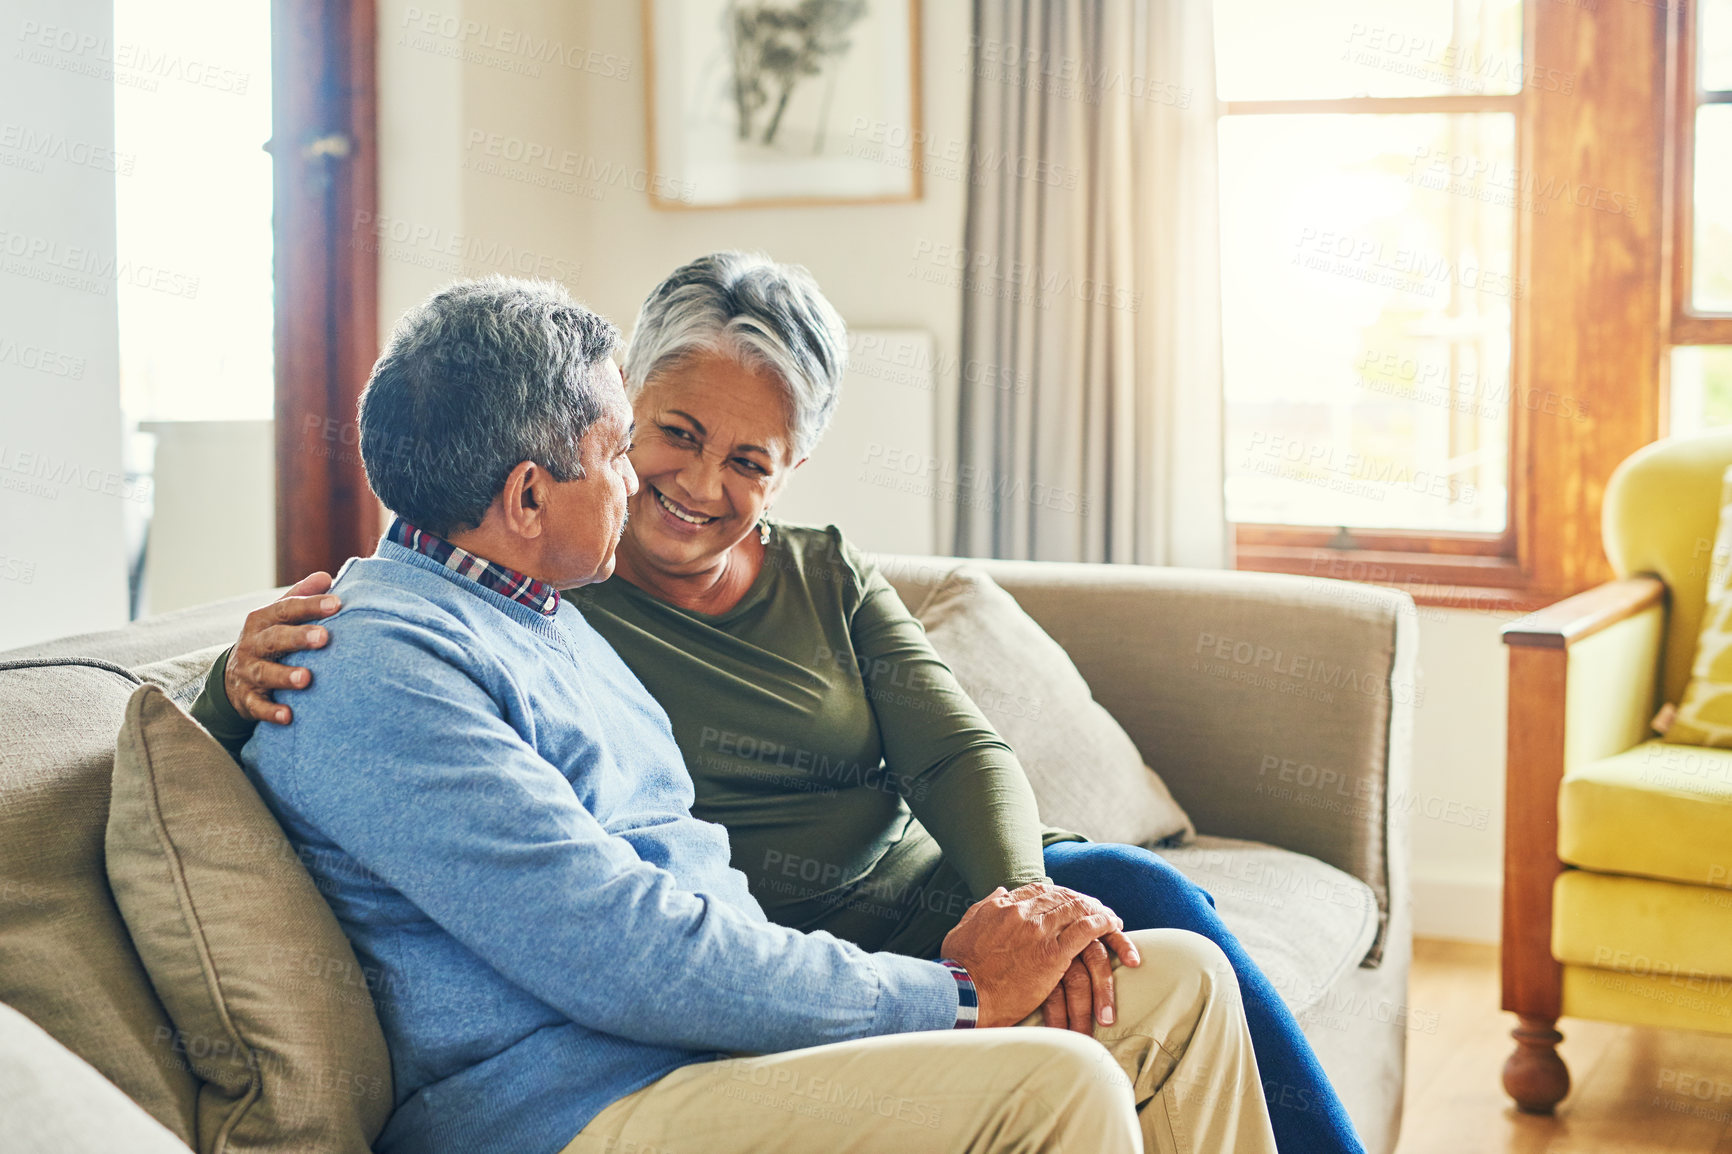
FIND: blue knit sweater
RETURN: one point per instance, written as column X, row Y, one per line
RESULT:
column 497, row 812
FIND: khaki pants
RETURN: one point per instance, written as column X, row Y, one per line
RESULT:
column 1174, row 1073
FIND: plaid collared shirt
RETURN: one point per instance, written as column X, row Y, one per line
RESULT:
column 967, row 997
column 520, row 587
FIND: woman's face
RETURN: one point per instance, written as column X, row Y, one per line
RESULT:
column 714, row 446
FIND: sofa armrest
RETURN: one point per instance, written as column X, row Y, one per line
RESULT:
column 1277, row 709
column 1583, row 676
column 1605, row 644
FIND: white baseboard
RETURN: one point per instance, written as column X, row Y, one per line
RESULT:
column 1463, row 911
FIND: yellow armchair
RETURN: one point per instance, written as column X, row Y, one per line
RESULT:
column 1618, row 846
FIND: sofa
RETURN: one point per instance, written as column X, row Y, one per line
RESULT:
column 1278, row 710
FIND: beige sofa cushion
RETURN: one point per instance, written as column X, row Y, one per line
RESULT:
column 182, row 677
column 1086, row 772
column 1307, row 925
column 51, row 1102
column 66, row 961
column 273, row 1011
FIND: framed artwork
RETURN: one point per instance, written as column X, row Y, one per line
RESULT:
column 782, row 102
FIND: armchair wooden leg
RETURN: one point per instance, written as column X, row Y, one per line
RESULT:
column 1534, row 1075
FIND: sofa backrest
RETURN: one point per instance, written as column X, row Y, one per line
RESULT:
column 1322, row 675
column 1661, row 509
column 66, row 960
column 154, row 638
column 50, row 1100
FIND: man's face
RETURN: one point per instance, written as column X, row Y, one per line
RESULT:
column 585, row 517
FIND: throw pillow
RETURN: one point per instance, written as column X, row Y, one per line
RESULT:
column 1086, row 772
column 1704, row 716
column 271, row 1009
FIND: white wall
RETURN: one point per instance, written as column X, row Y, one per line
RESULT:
column 1457, row 807
column 62, row 490
column 448, row 207
column 210, row 541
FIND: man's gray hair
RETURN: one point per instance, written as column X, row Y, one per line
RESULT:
column 484, row 375
column 760, row 313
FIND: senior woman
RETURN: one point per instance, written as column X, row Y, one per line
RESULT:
column 862, row 791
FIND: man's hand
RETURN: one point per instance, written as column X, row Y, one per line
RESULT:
column 270, row 632
column 1084, row 995
column 1017, row 946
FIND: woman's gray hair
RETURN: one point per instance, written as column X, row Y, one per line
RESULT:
column 484, row 375
column 760, row 313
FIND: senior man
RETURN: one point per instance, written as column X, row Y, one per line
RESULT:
column 498, row 813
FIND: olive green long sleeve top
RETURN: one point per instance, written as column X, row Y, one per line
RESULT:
column 863, row 791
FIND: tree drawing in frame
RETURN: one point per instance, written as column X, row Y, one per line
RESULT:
column 778, row 102
column 779, row 45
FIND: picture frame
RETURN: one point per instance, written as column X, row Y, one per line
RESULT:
column 781, row 103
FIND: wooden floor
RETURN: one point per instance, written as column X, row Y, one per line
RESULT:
column 1634, row 1091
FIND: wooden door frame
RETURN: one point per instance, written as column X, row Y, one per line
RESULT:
column 324, row 141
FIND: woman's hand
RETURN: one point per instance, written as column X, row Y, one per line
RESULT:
column 270, row 632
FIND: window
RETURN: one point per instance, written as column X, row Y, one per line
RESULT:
column 1443, row 226
column 192, row 106
column 1700, row 360
column 1369, row 196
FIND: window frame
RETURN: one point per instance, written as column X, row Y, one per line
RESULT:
column 1689, row 325
column 1572, row 263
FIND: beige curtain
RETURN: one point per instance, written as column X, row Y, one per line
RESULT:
column 1090, row 402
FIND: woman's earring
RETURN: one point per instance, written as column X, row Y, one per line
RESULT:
column 763, row 531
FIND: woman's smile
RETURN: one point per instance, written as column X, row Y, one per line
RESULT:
column 678, row 513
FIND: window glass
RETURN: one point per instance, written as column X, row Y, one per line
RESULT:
column 1714, row 58
column 1701, row 388
column 1323, row 49
column 1367, row 289
column 1711, row 217
column 193, row 200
